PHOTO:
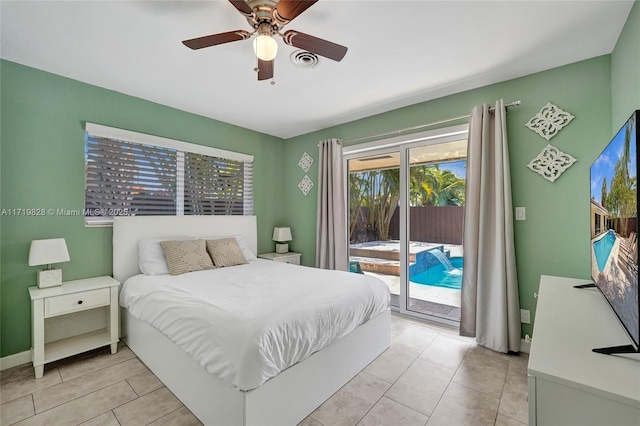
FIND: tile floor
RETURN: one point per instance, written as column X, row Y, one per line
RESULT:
column 429, row 376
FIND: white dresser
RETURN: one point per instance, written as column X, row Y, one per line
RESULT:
column 568, row 383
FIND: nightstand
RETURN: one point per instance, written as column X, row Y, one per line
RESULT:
column 290, row 257
column 75, row 317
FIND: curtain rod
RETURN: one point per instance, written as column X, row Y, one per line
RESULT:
column 422, row 126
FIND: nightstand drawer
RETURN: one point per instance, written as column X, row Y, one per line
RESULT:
column 60, row 305
column 288, row 257
column 294, row 260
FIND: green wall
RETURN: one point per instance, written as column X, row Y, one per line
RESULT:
column 554, row 240
column 42, row 166
column 625, row 70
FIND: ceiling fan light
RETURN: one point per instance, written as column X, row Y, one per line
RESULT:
column 265, row 47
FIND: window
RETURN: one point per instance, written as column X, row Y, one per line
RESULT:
column 129, row 173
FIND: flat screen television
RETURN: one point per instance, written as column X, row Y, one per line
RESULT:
column 614, row 230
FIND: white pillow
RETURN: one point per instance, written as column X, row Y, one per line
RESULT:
column 242, row 242
column 151, row 257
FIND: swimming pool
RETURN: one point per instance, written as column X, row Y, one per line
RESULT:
column 438, row 276
column 602, row 249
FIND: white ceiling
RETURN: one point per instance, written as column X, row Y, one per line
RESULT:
column 400, row 52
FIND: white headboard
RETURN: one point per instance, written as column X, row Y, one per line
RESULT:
column 129, row 230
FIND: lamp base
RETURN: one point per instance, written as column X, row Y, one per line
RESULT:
column 282, row 248
column 49, row 278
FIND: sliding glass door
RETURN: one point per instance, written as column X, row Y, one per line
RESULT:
column 405, row 220
column 435, row 204
column 374, row 193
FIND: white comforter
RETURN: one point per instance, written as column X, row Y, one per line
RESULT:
column 247, row 323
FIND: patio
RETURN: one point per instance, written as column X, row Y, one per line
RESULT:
column 382, row 259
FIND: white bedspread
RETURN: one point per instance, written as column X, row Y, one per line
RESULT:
column 247, row 323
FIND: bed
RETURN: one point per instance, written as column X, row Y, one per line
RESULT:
column 285, row 398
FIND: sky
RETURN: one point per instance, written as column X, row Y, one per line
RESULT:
column 456, row 167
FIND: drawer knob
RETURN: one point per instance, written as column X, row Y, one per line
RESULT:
column 79, row 302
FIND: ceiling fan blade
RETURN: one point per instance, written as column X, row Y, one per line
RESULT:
column 265, row 69
column 215, row 39
column 285, row 10
column 243, row 7
column 314, row 45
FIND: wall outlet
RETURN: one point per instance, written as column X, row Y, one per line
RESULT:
column 525, row 316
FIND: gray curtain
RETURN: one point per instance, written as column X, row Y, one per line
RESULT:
column 490, row 309
column 331, row 232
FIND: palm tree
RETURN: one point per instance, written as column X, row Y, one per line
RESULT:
column 431, row 186
column 621, row 199
column 358, row 189
column 374, row 196
column 376, row 193
column 388, row 182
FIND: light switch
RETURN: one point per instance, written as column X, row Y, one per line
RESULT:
column 521, row 213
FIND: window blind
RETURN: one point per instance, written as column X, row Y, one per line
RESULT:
column 130, row 178
column 213, row 186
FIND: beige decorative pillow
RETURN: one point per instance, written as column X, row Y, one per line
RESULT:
column 186, row 256
column 225, row 252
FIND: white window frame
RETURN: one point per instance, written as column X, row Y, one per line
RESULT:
column 98, row 130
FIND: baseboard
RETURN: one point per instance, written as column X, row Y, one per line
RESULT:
column 15, row 359
column 25, row 357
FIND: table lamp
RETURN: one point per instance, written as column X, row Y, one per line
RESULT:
column 47, row 252
column 281, row 235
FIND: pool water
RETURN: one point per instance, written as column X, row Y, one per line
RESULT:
column 438, row 275
column 602, row 249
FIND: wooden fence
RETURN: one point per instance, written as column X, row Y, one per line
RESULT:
column 442, row 224
column 430, row 224
column 623, row 227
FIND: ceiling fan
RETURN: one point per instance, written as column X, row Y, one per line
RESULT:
column 267, row 18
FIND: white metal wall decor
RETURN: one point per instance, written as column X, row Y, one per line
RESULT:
column 305, row 162
column 551, row 163
column 549, row 121
column 305, row 185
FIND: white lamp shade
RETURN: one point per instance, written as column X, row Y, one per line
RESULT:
column 46, row 252
column 281, row 234
column 265, row 47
